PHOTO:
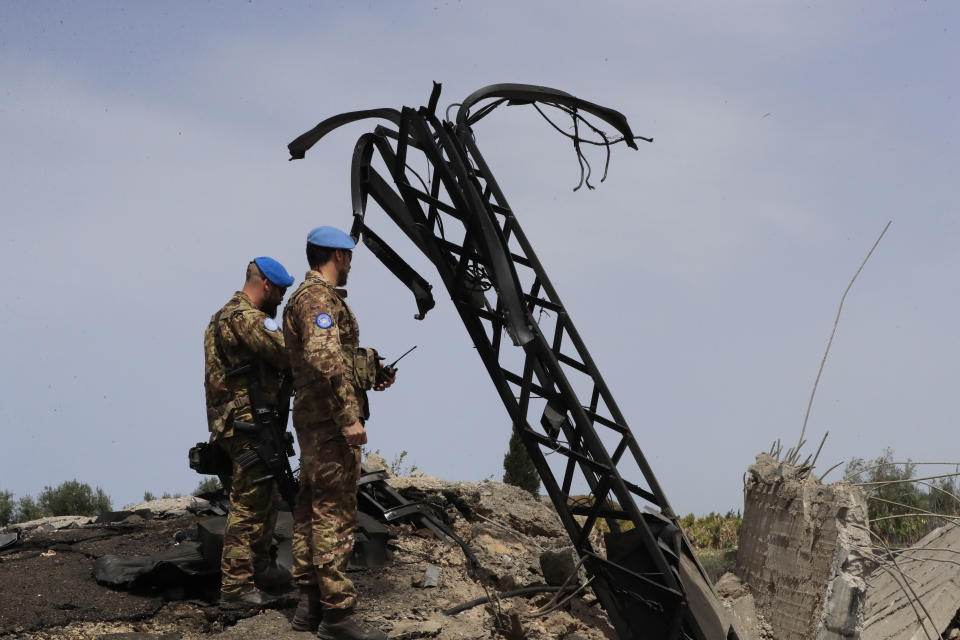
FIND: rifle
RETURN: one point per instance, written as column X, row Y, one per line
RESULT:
column 389, row 371
column 274, row 444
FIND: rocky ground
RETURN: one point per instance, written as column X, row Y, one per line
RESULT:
column 47, row 590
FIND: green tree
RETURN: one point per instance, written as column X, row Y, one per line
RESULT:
column 518, row 467
column 148, row 496
column 28, row 509
column 73, row 498
column 901, row 508
column 943, row 496
column 6, row 508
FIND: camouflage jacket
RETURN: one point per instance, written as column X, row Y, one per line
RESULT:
column 247, row 335
column 331, row 373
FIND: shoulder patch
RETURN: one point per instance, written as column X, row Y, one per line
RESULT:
column 324, row 321
column 270, row 324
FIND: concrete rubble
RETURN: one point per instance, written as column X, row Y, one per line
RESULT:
column 804, row 549
column 742, row 609
column 927, row 572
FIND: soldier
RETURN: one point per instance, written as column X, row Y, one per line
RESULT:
column 331, row 374
column 244, row 332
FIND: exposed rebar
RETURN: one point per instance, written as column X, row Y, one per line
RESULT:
column 836, row 322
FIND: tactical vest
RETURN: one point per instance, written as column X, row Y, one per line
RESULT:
column 236, row 402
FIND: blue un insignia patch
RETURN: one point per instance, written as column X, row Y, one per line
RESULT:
column 270, row 324
column 324, row 321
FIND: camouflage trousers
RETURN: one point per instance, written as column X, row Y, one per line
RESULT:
column 325, row 515
column 250, row 524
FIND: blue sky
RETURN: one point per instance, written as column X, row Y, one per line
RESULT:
column 144, row 163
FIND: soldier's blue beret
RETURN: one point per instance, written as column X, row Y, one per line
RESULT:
column 330, row 237
column 274, row 271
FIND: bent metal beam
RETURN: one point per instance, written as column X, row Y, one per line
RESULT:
column 649, row 580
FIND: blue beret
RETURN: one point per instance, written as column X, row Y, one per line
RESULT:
column 330, row 237
column 274, row 271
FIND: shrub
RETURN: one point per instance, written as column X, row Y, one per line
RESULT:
column 716, row 563
column 148, row 496
column 207, row 485
column 713, row 531
column 73, row 498
column 398, row 468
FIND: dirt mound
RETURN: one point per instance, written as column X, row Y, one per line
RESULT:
column 48, row 590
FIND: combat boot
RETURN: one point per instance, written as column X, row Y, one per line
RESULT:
column 250, row 599
column 272, row 578
column 309, row 609
column 342, row 624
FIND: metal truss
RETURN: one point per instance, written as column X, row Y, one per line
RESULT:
column 648, row 579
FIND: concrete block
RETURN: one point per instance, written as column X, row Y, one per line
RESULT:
column 802, row 552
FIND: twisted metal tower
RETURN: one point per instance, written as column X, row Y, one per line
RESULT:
column 648, row 579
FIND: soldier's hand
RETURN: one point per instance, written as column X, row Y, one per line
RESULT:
column 355, row 434
column 385, row 377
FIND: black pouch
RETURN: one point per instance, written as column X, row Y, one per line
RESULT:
column 209, row 459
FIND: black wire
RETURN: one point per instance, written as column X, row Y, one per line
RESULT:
column 424, row 184
column 553, row 450
column 580, row 157
column 568, row 110
column 606, row 141
column 480, row 278
column 578, row 140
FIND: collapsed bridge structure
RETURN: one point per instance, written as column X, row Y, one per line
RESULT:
column 648, row 580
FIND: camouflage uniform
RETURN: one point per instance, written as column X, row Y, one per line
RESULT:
column 331, row 375
column 248, row 335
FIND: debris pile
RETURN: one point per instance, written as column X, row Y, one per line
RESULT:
column 479, row 560
column 49, row 590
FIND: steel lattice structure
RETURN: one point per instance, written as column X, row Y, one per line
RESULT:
column 649, row 580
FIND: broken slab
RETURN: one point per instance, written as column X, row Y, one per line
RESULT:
column 51, row 523
column 924, row 582
column 804, row 549
column 172, row 507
